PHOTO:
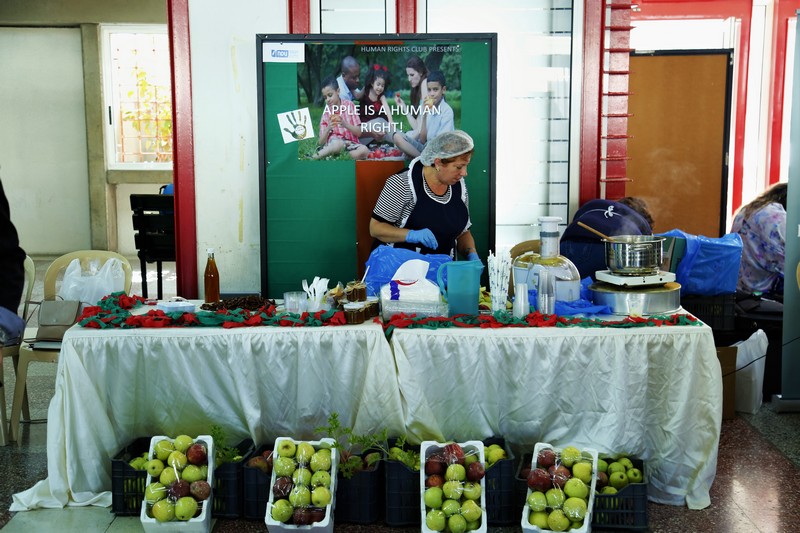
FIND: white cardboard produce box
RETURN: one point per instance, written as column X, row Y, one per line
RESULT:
column 326, row 525
column 586, row 453
column 201, row 523
column 428, row 448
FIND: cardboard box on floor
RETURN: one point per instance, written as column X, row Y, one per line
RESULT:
column 727, row 360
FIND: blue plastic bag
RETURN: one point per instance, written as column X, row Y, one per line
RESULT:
column 384, row 261
column 710, row 266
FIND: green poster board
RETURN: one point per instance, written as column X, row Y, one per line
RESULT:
column 308, row 205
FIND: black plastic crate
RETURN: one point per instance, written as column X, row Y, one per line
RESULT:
column 360, row 499
column 627, row 509
column 127, row 483
column 719, row 312
column 402, row 493
column 521, row 482
column 256, row 489
column 501, row 508
column 228, row 500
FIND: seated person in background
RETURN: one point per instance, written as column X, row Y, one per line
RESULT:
column 348, row 79
column 585, row 249
column 373, row 108
column 339, row 126
column 762, row 226
column 436, row 117
column 12, row 273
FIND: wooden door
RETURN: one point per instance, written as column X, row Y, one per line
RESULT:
column 679, row 123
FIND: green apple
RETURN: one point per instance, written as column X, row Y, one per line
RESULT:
column 453, row 489
column 608, row 489
column 616, row 466
column 494, row 453
column 575, row 488
column 470, row 458
column 321, row 479
column 320, row 461
column 455, row 472
column 555, row 498
column 557, row 520
column 538, row 519
column 155, row 491
column 154, row 467
column 283, row 466
column 537, row 501
column 472, row 490
column 177, row 460
column 473, row 525
column 451, row 507
column 204, row 471
column 574, row 508
column 137, row 463
column 168, row 476
column 304, row 453
column 435, row 520
column 300, row 496
column 321, row 496
column 471, row 511
column 582, row 471
column 182, row 443
column 634, row 475
column 433, row 497
column 618, row 480
column 575, row 525
column 163, row 510
column 570, row 455
column 185, row 508
column 286, row 448
column 626, row 462
column 282, row 511
column 456, row 523
column 602, row 465
column 192, row 473
column 163, row 448
column 302, row 476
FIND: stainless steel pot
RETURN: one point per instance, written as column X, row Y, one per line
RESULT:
column 639, row 301
column 633, row 255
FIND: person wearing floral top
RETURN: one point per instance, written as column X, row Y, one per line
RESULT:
column 762, row 227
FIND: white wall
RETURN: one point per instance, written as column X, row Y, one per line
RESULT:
column 43, row 138
column 223, row 50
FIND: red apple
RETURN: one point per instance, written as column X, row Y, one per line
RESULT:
column 602, row 480
column 475, row 471
column 258, row 461
column 317, row 514
column 434, row 480
column 282, row 487
column 200, row 490
column 560, row 474
column 197, row 454
column 435, row 464
column 524, row 471
column 301, row 516
column 178, row 489
column 546, row 458
column 453, row 453
column 539, row 479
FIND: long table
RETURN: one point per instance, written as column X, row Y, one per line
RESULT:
column 655, row 392
column 651, row 392
column 113, row 386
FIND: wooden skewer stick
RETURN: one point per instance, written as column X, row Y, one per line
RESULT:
column 601, row 235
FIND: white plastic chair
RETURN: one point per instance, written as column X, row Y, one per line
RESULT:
column 27, row 354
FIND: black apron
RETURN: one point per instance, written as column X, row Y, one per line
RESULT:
column 446, row 221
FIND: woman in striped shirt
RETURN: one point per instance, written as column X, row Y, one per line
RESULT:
column 426, row 207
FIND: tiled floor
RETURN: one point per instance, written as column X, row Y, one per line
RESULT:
column 757, row 487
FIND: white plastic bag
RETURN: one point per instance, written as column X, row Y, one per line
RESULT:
column 750, row 362
column 90, row 286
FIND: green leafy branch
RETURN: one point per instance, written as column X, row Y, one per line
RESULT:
column 223, row 453
column 346, row 441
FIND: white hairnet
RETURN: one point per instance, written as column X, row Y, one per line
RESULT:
column 446, row 145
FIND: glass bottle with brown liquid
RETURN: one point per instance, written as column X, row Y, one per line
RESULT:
column 211, row 278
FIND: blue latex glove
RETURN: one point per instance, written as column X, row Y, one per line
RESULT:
column 423, row 236
column 473, row 256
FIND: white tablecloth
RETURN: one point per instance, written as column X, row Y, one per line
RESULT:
column 113, row 386
column 654, row 392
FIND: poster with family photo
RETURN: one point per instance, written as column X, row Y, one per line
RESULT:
column 373, row 101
